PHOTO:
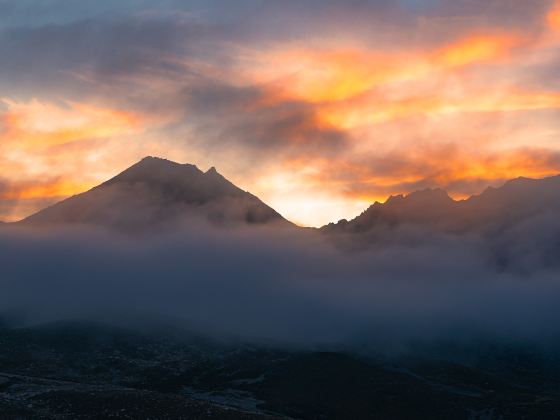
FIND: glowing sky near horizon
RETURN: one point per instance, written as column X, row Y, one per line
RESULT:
column 317, row 107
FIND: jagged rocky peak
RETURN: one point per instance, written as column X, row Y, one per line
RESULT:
column 428, row 196
column 437, row 194
column 495, row 207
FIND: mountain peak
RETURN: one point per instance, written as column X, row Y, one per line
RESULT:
column 154, row 160
column 393, row 199
column 429, row 196
column 158, row 191
column 155, row 170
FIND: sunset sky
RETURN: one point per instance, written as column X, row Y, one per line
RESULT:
column 319, row 107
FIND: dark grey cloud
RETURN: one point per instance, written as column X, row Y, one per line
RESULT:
column 503, row 12
column 47, row 58
column 542, row 76
column 227, row 115
column 45, row 55
column 31, row 13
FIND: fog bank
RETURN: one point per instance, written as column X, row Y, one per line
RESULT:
column 292, row 286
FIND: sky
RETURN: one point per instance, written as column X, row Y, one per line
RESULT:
column 319, row 108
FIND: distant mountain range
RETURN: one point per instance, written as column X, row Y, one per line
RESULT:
column 494, row 209
column 156, row 193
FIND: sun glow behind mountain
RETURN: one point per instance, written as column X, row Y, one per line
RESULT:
column 319, row 111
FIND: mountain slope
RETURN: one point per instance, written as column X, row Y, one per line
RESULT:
column 494, row 209
column 157, row 192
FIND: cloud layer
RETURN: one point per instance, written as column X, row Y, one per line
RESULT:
column 293, row 287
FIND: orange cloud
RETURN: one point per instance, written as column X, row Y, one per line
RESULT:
column 500, row 165
column 38, row 124
column 459, row 115
column 327, row 75
column 553, row 17
column 49, row 151
column 355, row 87
column 379, row 109
column 476, row 49
column 55, row 189
column 460, row 172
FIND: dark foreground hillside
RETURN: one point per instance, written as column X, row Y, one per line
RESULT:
column 83, row 370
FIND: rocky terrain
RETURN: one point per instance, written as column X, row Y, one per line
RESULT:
column 85, row 370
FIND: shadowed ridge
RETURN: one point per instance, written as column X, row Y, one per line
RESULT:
column 524, row 192
column 522, row 187
column 212, row 175
column 423, row 200
column 513, row 201
column 516, row 199
column 420, row 207
column 156, row 192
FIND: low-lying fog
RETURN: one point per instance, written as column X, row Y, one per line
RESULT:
column 293, row 286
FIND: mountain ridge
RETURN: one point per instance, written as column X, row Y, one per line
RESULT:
column 510, row 202
column 160, row 190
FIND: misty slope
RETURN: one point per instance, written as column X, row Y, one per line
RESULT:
column 491, row 211
column 157, row 192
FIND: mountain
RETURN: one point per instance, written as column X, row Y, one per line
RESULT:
column 156, row 193
column 492, row 210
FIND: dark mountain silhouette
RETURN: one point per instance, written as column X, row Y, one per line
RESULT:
column 492, row 210
column 157, row 192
